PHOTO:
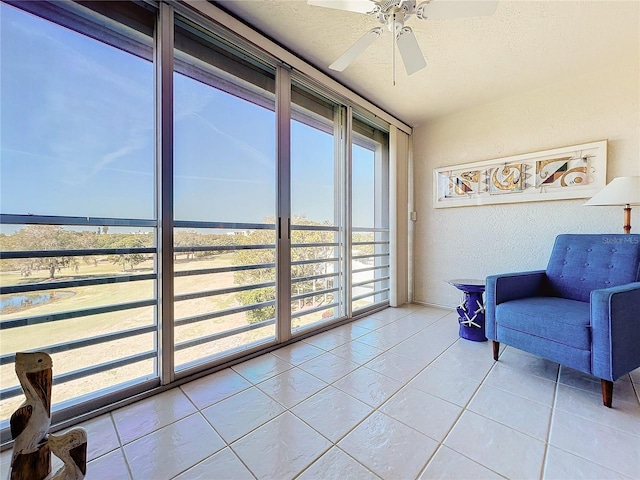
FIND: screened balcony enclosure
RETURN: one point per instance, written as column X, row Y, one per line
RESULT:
column 173, row 199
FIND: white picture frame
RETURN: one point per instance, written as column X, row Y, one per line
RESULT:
column 577, row 171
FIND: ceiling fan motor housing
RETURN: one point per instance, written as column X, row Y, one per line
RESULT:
column 393, row 13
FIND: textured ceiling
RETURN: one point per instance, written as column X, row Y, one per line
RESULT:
column 470, row 61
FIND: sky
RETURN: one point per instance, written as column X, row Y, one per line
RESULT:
column 77, row 139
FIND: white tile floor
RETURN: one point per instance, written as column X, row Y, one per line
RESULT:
column 395, row 395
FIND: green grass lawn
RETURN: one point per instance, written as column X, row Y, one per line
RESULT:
column 61, row 332
column 45, row 334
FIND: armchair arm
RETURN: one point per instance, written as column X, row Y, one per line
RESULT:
column 615, row 325
column 509, row 286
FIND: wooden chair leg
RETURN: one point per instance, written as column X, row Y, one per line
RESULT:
column 496, row 350
column 607, row 392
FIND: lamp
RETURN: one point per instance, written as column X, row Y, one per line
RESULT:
column 621, row 191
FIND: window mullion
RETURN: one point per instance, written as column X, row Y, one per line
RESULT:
column 348, row 218
column 164, row 189
column 283, row 200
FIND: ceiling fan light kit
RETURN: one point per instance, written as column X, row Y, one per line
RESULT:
column 393, row 14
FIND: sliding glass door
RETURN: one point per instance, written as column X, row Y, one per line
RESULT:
column 172, row 198
column 224, row 199
column 317, row 206
column 78, row 230
column 369, row 216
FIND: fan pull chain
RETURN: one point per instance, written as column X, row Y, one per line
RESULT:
column 393, row 53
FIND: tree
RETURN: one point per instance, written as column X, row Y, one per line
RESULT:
column 309, row 270
column 189, row 238
column 303, row 273
column 6, row 245
column 257, row 276
column 131, row 259
column 87, row 240
column 363, row 249
column 45, row 238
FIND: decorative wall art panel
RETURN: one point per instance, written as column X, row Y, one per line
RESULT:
column 577, row 171
column 506, row 178
column 464, row 183
column 562, row 172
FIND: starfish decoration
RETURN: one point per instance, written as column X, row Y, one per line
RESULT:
column 469, row 322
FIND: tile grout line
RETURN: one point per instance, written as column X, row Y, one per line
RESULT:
column 124, row 456
column 375, row 409
column 543, row 467
column 554, row 406
column 241, row 460
column 462, row 411
column 510, row 393
column 595, row 462
column 355, row 460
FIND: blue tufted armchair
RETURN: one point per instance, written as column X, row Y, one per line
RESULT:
column 583, row 311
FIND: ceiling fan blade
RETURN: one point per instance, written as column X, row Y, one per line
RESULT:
column 447, row 9
column 410, row 51
column 359, row 6
column 356, row 49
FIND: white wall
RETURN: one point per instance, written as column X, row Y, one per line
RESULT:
column 473, row 242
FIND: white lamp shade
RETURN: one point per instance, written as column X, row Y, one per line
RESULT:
column 620, row 191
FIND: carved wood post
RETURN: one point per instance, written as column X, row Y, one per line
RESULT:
column 31, row 459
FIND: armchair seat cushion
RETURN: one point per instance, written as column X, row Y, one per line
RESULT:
column 557, row 319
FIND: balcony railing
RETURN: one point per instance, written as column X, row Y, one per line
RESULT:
column 318, row 264
column 16, row 325
column 370, row 267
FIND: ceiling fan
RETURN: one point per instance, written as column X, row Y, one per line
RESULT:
column 393, row 14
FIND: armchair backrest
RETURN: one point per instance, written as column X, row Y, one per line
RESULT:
column 582, row 263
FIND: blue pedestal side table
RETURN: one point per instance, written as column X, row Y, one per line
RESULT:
column 471, row 309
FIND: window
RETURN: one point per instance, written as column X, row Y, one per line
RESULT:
column 370, row 216
column 87, row 261
column 78, row 231
column 224, row 197
column 317, row 207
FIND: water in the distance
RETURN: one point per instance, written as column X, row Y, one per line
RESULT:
column 16, row 302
